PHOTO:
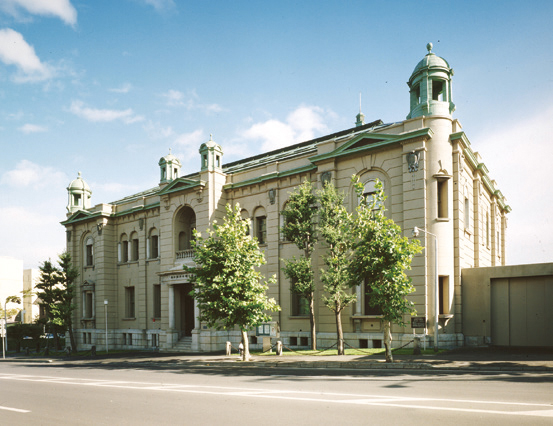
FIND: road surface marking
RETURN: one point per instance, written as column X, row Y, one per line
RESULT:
column 17, row 410
column 379, row 400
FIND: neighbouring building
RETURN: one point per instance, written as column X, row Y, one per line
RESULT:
column 130, row 253
column 16, row 281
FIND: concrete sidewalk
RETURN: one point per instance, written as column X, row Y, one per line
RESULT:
column 463, row 359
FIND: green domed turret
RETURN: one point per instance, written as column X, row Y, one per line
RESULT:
column 430, row 87
column 79, row 194
column 212, row 155
column 169, row 168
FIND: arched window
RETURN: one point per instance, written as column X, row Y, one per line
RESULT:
column 260, row 225
column 89, row 252
column 153, row 244
column 135, row 248
column 369, row 192
column 245, row 216
column 183, row 228
column 123, row 249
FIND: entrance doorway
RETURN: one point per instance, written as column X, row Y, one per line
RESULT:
column 185, row 304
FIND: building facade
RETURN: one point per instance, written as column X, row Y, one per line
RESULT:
column 130, row 253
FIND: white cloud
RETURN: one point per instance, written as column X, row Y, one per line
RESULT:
column 14, row 50
column 161, row 5
column 156, row 131
column 190, row 100
column 62, row 9
column 103, row 115
column 174, row 97
column 32, row 128
column 518, row 155
column 193, row 139
column 302, row 124
column 27, row 174
column 125, row 88
column 43, row 237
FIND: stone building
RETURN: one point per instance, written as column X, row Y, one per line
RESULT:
column 130, row 253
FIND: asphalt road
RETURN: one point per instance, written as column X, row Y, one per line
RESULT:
column 50, row 394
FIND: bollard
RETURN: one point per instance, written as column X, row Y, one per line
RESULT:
column 228, row 348
column 279, row 348
column 417, row 346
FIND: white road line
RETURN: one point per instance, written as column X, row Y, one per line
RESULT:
column 17, row 410
column 307, row 396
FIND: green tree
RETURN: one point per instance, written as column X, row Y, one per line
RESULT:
column 335, row 229
column 56, row 291
column 381, row 254
column 62, row 310
column 229, row 289
column 299, row 227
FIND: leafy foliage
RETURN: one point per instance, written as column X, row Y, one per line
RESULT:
column 229, row 289
column 381, row 256
column 299, row 227
column 335, row 228
column 56, row 290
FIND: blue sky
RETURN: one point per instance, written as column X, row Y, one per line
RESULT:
column 107, row 87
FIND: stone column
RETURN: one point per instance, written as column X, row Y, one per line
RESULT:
column 171, row 307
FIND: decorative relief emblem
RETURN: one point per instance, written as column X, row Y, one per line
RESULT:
column 272, row 195
column 413, row 161
column 325, row 177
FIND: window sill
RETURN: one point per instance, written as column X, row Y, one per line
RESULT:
column 366, row 316
column 298, row 317
column 129, row 319
column 442, row 219
column 89, row 267
column 153, row 259
column 88, row 319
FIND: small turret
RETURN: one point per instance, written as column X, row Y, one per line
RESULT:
column 169, row 168
column 430, row 87
column 79, row 194
column 212, row 155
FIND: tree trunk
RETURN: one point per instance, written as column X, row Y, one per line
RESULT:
column 339, row 332
column 72, row 340
column 388, row 341
column 246, row 354
column 312, row 323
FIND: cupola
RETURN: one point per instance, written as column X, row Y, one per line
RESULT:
column 212, row 155
column 169, row 167
column 79, row 194
column 430, row 87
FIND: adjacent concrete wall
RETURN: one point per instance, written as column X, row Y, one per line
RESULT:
column 508, row 305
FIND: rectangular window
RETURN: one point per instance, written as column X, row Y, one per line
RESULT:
column 154, row 341
column 88, row 304
column 154, row 247
column 157, row 301
column 367, row 308
column 437, row 90
column 443, row 295
column 129, row 302
column 261, row 229
column 84, row 338
column 487, row 230
column 300, row 305
column 135, row 249
column 124, row 251
column 89, row 255
column 467, row 213
column 442, row 199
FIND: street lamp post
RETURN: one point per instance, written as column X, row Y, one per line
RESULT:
column 106, row 317
column 416, row 231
